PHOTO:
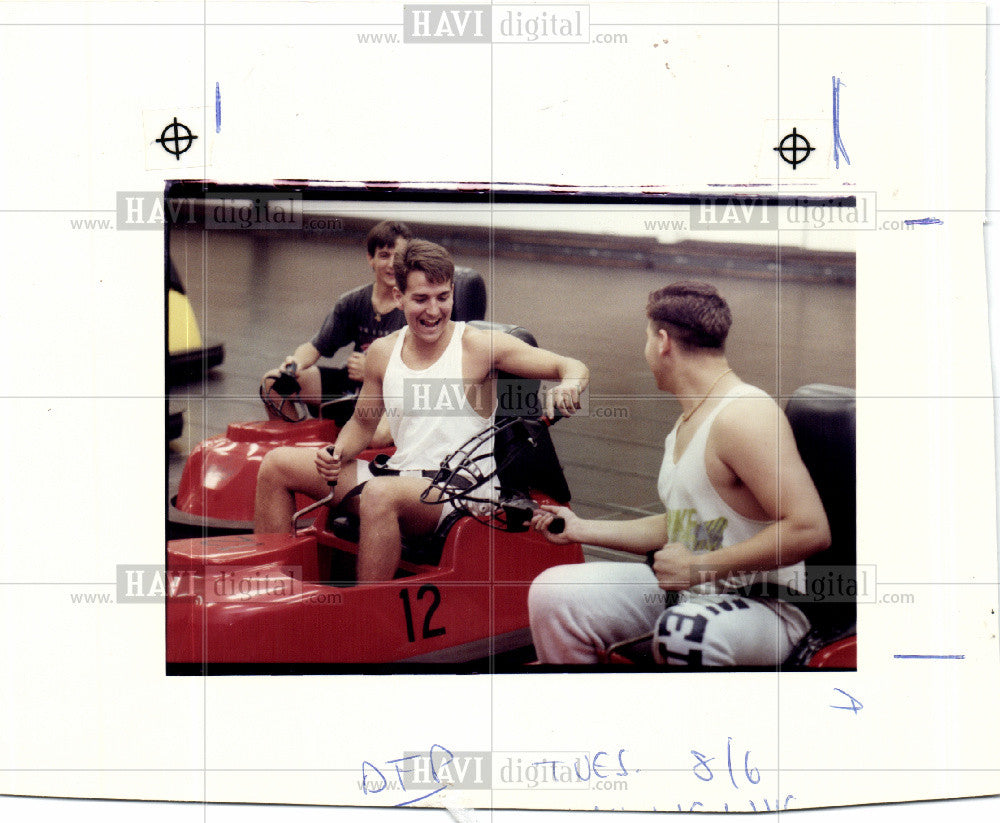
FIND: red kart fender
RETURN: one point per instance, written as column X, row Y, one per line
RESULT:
column 220, row 476
column 258, row 599
column 840, row 655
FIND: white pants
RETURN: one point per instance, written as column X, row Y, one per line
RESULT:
column 578, row 611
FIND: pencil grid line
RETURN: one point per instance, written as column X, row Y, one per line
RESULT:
column 672, row 23
column 492, row 275
column 490, row 581
column 663, row 769
column 777, row 356
column 204, row 295
column 209, row 399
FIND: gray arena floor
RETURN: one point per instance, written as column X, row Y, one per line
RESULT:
column 263, row 298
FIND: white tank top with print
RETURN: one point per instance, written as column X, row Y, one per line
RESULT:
column 429, row 413
column 698, row 517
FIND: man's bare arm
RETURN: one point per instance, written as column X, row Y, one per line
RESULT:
column 304, row 356
column 637, row 536
column 383, row 434
column 517, row 357
column 755, row 441
column 360, row 429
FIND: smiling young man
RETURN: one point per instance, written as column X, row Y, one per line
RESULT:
column 430, row 356
column 741, row 514
column 360, row 316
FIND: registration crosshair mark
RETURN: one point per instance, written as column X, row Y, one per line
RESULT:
column 177, row 138
column 794, row 149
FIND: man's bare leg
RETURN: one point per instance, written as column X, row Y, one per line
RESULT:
column 287, row 470
column 387, row 505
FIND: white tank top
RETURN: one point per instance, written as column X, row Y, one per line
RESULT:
column 698, row 517
column 429, row 414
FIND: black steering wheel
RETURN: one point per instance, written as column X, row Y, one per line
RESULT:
column 285, row 384
column 464, row 479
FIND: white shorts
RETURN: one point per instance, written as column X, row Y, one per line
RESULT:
column 365, row 474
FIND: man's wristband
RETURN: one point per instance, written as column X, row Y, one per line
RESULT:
column 649, row 557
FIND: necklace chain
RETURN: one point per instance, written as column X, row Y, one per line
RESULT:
column 688, row 416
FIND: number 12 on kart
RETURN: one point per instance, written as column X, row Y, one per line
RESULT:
column 428, row 630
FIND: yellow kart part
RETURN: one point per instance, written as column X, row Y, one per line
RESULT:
column 190, row 357
column 182, row 327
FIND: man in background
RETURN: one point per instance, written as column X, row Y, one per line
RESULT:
column 360, row 316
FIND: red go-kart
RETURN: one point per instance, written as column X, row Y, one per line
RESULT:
column 242, row 603
column 289, row 603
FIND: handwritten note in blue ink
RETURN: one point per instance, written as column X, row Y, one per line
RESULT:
column 743, row 780
column 596, row 767
column 218, row 108
column 924, row 221
column 427, row 770
column 855, row 706
column 838, row 143
column 705, row 774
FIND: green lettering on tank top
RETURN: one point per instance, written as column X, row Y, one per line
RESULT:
column 683, row 526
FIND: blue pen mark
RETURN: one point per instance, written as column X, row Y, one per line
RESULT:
column 855, row 706
column 923, row 221
column 702, row 764
column 729, row 761
column 929, row 656
column 423, row 797
column 218, row 108
column 838, row 143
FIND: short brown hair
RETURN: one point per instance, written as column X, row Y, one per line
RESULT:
column 692, row 313
column 422, row 255
column 385, row 235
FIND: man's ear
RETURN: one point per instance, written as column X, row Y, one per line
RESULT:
column 663, row 342
column 397, row 297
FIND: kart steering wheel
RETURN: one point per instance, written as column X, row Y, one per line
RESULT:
column 462, row 474
column 285, row 384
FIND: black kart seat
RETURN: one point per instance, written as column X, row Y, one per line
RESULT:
column 823, row 420
column 425, row 549
column 470, row 295
column 524, row 450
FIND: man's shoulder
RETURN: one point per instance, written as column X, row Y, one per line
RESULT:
column 485, row 339
column 382, row 346
column 483, row 342
column 378, row 354
column 749, row 412
column 747, row 391
column 470, row 334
